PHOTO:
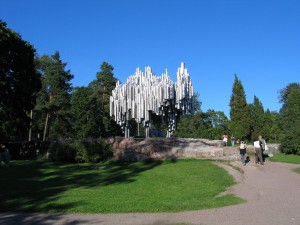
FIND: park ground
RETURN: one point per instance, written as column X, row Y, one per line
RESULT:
column 271, row 191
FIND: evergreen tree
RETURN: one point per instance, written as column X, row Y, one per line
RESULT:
column 290, row 118
column 85, row 113
column 102, row 90
column 19, row 83
column 276, row 133
column 53, row 102
column 257, row 116
column 239, row 111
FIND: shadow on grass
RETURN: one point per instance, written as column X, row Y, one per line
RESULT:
column 34, row 186
column 41, row 219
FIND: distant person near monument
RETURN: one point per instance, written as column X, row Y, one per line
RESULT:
column 225, row 139
column 232, row 140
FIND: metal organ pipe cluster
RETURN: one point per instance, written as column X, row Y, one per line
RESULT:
column 144, row 94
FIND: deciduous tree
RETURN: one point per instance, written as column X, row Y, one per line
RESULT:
column 19, row 83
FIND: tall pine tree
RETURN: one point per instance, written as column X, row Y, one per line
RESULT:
column 52, row 112
column 290, row 118
column 85, row 113
column 257, row 116
column 102, row 90
column 239, row 111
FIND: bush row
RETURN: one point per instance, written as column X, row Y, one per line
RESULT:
column 291, row 146
column 27, row 150
column 80, row 151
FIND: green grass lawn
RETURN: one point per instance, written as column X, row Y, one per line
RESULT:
column 287, row 158
column 295, row 159
column 161, row 186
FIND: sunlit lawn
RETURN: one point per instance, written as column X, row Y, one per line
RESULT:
column 41, row 186
column 287, row 158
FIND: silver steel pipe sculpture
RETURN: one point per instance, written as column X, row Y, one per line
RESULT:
column 145, row 93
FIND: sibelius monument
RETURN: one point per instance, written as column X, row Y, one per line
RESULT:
column 144, row 94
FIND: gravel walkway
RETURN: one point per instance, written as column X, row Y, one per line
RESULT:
column 272, row 192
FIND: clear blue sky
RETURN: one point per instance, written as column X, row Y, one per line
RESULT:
column 259, row 40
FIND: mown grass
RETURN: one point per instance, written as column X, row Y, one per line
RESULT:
column 287, row 158
column 41, row 186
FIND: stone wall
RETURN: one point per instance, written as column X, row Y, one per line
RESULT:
column 141, row 149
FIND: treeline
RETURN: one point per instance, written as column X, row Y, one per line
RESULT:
column 248, row 120
column 38, row 102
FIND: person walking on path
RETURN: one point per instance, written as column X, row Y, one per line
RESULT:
column 232, row 140
column 243, row 149
column 262, row 143
column 258, row 151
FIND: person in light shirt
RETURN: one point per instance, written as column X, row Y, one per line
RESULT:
column 258, row 152
column 225, row 139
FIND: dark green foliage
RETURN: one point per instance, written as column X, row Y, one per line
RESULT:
column 19, row 83
column 191, row 127
column 216, row 123
column 211, row 125
column 257, row 118
column 101, row 91
column 290, row 145
column 81, row 151
column 92, row 152
column 290, row 118
column 239, row 111
column 86, row 115
column 62, row 152
column 271, row 130
column 52, row 113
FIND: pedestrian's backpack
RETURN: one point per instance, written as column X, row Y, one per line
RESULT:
column 242, row 145
column 262, row 143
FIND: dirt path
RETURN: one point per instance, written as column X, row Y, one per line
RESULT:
column 272, row 192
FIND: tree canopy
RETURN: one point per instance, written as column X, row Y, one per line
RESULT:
column 42, row 84
column 53, row 102
column 19, row 83
column 290, row 118
column 239, row 111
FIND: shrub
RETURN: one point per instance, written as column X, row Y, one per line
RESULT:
column 61, row 152
column 83, row 151
column 290, row 146
column 107, row 151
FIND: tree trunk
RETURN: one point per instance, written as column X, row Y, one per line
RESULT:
column 29, row 135
column 47, row 118
column 46, row 125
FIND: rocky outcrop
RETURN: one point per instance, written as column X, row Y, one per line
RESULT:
column 142, row 149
